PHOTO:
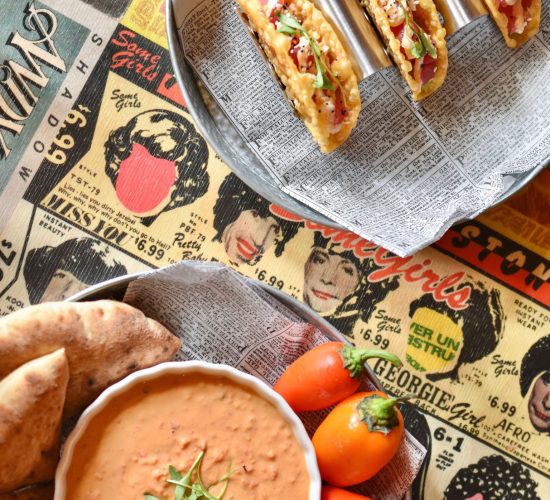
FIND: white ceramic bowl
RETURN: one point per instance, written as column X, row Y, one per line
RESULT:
column 186, row 367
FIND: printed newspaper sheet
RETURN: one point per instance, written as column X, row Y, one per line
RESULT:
column 468, row 316
column 222, row 318
column 410, row 169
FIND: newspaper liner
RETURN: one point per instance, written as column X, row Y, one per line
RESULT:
column 222, row 317
column 409, row 170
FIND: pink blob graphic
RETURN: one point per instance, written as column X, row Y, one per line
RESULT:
column 144, row 181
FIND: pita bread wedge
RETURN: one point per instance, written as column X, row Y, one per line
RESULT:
column 518, row 20
column 311, row 63
column 104, row 341
column 415, row 39
column 31, row 404
column 40, row 492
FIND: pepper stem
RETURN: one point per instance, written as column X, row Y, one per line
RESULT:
column 379, row 413
column 354, row 359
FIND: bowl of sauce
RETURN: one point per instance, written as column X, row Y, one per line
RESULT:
column 188, row 423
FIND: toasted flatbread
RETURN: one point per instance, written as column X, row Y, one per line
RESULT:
column 310, row 102
column 426, row 16
column 31, row 404
column 39, row 492
column 501, row 20
column 104, row 341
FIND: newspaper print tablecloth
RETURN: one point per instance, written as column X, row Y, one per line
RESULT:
column 468, row 315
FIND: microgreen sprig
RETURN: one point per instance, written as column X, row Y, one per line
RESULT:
column 325, row 76
column 191, row 486
column 423, row 45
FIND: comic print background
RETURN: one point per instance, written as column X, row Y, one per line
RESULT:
column 130, row 184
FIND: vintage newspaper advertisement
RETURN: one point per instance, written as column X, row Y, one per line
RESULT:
column 409, row 170
column 49, row 49
column 469, row 316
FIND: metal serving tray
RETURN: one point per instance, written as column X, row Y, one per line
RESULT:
column 114, row 289
column 224, row 138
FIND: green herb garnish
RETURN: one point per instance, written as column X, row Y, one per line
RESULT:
column 423, row 45
column 289, row 25
column 325, row 76
column 175, row 475
column 191, row 486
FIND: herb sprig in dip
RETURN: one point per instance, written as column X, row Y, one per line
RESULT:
column 325, row 77
column 190, row 486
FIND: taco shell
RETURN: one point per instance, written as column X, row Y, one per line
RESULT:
column 299, row 86
column 501, row 20
column 31, row 403
column 426, row 15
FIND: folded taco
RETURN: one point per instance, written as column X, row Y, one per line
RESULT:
column 518, row 20
column 415, row 39
column 311, row 63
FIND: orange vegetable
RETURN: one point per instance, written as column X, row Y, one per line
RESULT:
column 332, row 493
column 326, row 375
column 357, row 438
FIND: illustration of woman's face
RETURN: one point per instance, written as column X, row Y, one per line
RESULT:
column 145, row 182
column 155, row 174
column 328, row 280
column 249, row 236
column 539, row 403
column 62, row 285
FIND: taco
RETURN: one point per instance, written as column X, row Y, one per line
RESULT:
column 311, row 63
column 518, row 20
column 415, row 39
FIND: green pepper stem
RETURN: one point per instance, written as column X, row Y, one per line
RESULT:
column 379, row 413
column 354, row 359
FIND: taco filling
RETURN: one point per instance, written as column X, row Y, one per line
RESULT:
column 311, row 64
column 415, row 39
column 518, row 13
column 310, row 57
column 518, row 20
column 416, row 44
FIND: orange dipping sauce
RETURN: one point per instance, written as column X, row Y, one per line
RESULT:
column 126, row 449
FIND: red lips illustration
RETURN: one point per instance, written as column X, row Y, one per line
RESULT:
column 144, row 181
column 247, row 250
column 323, row 295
